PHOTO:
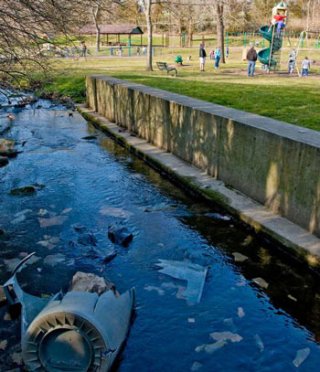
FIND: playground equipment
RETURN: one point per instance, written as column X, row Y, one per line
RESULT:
column 270, row 57
column 76, row 331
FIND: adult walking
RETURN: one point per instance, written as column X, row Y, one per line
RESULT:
column 202, row 57
column 252, row 57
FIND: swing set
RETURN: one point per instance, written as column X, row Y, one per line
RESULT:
column 304, row 35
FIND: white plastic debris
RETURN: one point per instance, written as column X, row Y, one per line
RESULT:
column 261, row 282
column 238, row 257
column 301, row 356
column 194, row 274
column 240, row 312
column 226, row 336
column 259, row 343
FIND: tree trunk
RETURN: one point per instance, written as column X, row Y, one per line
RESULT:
column 220, row 29
column 95, row 14
column 147, row 12
column 190, row 33
column 98, row 38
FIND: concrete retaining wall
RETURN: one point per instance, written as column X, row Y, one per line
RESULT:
column 274, row 163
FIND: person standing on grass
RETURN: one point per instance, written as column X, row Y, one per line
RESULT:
column 252, row 59
column 217, row 57
column 202, row 57
column 83, row 50
column 305, row 65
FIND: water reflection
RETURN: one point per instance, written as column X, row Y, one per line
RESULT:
column 92, row 183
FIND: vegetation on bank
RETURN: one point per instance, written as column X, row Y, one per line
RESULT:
column 288, row 98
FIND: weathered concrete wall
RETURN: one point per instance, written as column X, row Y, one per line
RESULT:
column 274, row 163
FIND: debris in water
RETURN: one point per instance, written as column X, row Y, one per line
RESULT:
column 292, row 298
column 3, row 344
column 17, row 358
column 195, row 366
column 42, row 212
column 150, row 288
column 261, row 282
column 218, row 217
column 248, row 240
column 259, row 343
column 194, row 274
column 114, row 212
column 66, row 210
column 210, row 348
column 52, row 221
column 238, row 257
column 191, row 320
column 54, row 259
column 226, row 336
column 241, row 312
column 301, row 356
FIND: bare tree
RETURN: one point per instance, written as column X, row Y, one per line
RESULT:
column 25, row 27
column 147, row 7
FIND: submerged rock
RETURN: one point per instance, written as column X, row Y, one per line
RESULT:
column 23, row 191
column 120, row 235
column 3, row 161
column 87, row 239
column 109, row 257
column 89, row 137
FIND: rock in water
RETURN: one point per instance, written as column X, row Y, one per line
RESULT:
column 87, row 282
column 120, row 235
column 3, row 161
column 109, row 257
column 25, row 190
column 87, row 239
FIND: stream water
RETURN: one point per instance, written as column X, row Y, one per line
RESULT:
column 261, row 314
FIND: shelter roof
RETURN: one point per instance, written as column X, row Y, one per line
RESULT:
column 124, row 29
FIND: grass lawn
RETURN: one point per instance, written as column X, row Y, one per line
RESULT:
column 288, row 98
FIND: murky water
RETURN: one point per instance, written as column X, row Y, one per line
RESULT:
column 94, row 183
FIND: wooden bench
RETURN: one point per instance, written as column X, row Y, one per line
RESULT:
column 163, row 66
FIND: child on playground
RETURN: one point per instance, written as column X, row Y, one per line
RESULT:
column 292, row 61
column 305, row 66
column 217, row 57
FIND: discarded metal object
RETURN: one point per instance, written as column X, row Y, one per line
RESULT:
column 194, row 274
column 76, row 331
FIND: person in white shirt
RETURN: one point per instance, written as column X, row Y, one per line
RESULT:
column 305, row 66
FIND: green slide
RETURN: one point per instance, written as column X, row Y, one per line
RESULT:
column 265, row 55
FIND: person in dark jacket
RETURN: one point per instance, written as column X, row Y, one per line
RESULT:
column 252, row 59
column 202, row 57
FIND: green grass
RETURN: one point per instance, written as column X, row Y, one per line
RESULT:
column 291, row 99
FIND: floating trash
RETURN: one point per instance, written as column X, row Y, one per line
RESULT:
column 194, row 274
column 301, row 356
column 261, row 282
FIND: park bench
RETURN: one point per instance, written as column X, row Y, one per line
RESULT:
column 163, row 66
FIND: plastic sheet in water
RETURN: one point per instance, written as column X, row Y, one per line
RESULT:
column 194, row 274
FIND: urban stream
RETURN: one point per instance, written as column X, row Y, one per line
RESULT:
column 258, row 310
